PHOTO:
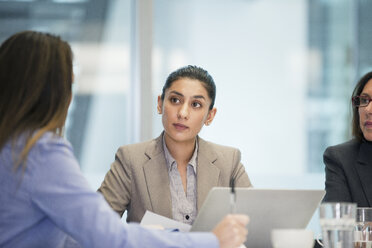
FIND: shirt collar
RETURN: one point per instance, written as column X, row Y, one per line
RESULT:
column 171, row 162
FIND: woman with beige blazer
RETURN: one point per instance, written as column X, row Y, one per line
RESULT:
column 172, row 174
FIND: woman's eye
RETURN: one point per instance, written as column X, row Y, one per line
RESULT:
column 174, row 100
column 196, row 105
column 364, row 100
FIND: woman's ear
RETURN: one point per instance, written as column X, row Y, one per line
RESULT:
column 210, row 117
column 160, row 105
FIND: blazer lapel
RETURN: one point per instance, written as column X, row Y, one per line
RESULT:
column 157, row 179
column 207, row 173
column 364, row 169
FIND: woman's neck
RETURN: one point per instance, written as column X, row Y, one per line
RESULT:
column 180, row 151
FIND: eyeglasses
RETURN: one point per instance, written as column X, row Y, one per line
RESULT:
column 361, row 101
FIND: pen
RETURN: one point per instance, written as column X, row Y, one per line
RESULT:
column 232, row 197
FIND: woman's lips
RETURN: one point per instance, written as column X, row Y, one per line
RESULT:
column 180, row 127
column 368, row 124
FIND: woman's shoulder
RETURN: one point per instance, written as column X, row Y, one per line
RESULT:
column 49, row 153
column 46, row 142
column 50, row 141
column 350, row 145
column 344, row 152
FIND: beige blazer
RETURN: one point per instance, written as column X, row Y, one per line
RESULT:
column 138, row 178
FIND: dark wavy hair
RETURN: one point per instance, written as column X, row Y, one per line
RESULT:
column 35, row 88
column 356, row 131
column 193, row 72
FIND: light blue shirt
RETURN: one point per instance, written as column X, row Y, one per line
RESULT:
column 183, row 204
column 52, row 202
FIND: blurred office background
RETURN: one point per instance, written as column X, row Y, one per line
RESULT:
column 284, row 71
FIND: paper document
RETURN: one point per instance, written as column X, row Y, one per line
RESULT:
column 152, row 219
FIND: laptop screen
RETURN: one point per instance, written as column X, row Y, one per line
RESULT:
column 267, row 208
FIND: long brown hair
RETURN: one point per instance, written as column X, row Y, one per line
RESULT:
column 35, row 88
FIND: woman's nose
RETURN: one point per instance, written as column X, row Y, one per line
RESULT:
column 183, row 112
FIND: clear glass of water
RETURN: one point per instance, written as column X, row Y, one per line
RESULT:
column 363, row 228
column 337, row 220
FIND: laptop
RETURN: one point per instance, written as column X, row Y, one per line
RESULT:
column 267, row 208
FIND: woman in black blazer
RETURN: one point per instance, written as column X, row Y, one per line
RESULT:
column 349, row 165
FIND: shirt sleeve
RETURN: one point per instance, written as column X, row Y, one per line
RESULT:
column 62, row 193
column 140, row 237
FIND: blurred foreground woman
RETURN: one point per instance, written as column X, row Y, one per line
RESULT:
column 45, row 201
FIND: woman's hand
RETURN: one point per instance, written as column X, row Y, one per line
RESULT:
column 232, row 230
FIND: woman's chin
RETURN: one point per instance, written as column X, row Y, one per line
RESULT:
column 181, row 136
column 368, row 137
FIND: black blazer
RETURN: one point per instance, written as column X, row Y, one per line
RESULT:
column 349, row 173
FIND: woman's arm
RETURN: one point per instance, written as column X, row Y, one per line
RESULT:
column 336, row 185
column 116, row 187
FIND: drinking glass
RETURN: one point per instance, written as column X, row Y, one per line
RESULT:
column 363, row 228
column 337, row 220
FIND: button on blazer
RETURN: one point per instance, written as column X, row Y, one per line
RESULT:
column 138, row 178
column 349, row 173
